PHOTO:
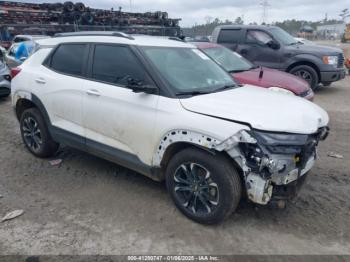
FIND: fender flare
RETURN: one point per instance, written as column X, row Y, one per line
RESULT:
column 35, row 100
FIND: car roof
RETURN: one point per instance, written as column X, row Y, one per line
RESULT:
column 267, row 27
column 32, row 36
column 205, row 45
column 139, row 40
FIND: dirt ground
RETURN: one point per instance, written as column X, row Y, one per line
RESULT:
column 90, row 206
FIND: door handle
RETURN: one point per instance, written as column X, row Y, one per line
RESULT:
column 93, row 92
column 40, row 81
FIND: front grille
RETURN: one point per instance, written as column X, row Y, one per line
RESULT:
column 341, row 60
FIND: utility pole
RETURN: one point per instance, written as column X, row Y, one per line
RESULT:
column 130, row 6
column 265, row 5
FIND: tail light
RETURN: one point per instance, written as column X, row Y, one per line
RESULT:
column 15, row 71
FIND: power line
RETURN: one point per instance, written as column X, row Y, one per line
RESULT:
column 265, row 5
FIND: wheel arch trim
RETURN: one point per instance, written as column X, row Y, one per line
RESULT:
column 176, row 136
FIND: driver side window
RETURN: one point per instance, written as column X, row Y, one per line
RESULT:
column 117, row 65
column 258, row 37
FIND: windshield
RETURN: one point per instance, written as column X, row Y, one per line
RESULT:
column 230, row 61
column 188, row 70
column 282, row 36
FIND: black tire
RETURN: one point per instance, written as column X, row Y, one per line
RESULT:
column 80, row 7
column 326, row 83
column 68, row 6
column 35, row 134
column 211, row 198
column 307, row 73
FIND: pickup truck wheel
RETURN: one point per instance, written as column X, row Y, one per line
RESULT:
column 326, row 83
column 307, row 73
column 35, row 134
column 205, row 187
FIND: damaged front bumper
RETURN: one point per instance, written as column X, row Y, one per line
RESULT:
column 273, row 164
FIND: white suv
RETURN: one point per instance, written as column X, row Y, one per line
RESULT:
column 163, row 108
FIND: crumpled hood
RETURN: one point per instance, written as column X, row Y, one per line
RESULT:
column 261, row 109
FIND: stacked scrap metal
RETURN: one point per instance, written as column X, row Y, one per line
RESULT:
column 61, row 17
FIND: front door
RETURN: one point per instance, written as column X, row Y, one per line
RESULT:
column 256, row 49
column 114, row 116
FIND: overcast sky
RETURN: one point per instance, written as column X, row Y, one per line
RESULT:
column 198, row 11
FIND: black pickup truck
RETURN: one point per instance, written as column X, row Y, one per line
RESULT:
column 273, row 47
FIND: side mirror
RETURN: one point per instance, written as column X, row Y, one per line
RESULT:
column 139, row 87
column 274, row 44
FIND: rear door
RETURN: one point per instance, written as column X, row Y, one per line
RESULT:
column 231, row 38
column 60, row 83
column 115, row 118
column 255, row 49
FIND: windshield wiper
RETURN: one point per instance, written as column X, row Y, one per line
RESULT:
column 192, row 93
column 226, row 87
column 294, row 43
column 237, row 71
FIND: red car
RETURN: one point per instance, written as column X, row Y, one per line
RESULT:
column 247, row 73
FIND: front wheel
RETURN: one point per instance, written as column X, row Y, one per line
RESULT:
column 307, row 73
column 204, row 187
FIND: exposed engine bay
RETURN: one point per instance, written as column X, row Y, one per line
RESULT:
column 270, row 161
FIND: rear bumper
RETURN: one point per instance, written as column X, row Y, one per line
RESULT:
column 333, row 75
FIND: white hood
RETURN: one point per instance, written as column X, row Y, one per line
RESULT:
column 262, row 109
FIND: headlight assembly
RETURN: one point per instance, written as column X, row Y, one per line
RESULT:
column 330, row 60
column 277, row 139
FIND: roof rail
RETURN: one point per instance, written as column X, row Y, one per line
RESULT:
column 95, row 33
column 175, row 38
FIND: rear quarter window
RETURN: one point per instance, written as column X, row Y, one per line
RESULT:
column 230, row 36
column 69, row 59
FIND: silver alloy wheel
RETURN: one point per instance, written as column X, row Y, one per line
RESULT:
column 304, row 75
column 195, row 189
column 32, row 134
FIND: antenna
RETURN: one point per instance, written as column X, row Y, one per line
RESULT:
column 265, row 5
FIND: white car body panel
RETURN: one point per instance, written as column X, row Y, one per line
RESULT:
column 120, row 118
column 262, row 109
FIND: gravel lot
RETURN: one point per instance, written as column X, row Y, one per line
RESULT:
column 90, row 206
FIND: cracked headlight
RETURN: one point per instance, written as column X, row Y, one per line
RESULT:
column 281, row 143
column 281, row 90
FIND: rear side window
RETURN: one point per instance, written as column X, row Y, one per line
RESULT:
column 19, row 39
column 116, row 65
column 69, row 59
column 230, row 36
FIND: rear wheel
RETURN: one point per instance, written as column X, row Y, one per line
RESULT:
column 205, row 187
column 307, row 73
column 35, row 134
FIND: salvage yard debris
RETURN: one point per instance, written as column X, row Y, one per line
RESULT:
column 56, row 162
column 335, row 155
column 12, row 215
